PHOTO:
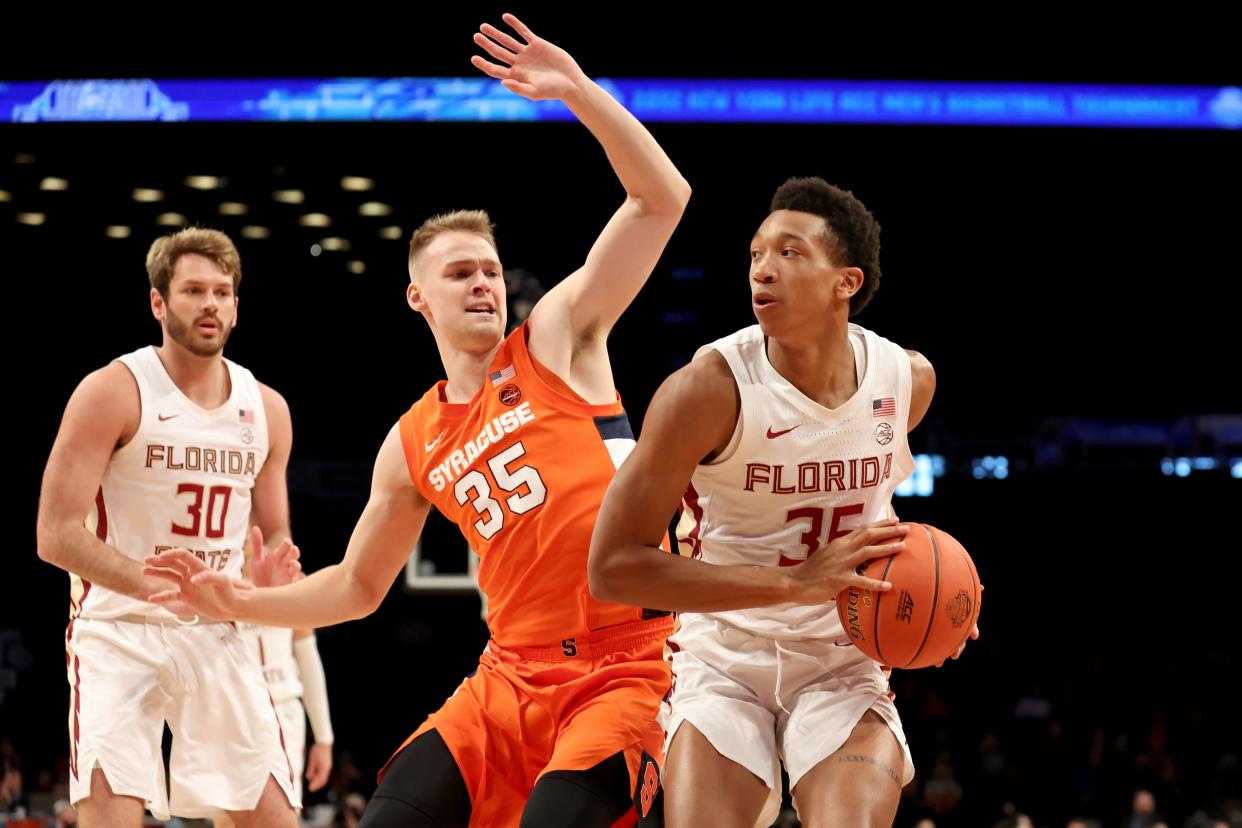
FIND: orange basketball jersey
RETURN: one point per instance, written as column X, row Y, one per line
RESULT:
column 522, row 468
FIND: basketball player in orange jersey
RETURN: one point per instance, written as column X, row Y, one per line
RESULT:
column 169, row 447
column 786, row 441
column 558, row 725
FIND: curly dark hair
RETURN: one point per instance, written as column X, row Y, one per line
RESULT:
column 853, row 238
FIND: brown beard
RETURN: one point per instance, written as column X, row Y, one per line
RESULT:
column 183, row 334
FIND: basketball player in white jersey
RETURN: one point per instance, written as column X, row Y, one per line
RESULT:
column 786, row 440
column 295, row 678
column 170, row 447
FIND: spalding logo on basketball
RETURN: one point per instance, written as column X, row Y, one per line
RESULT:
column 850, row 617
column 932, row 607
column 958, row 608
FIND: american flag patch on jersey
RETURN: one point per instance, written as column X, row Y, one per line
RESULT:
column 503, row 375
column 245, row 415
column 884, row 407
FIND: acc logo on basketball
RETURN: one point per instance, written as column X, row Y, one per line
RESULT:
column 905, row 607
column 511, row 394
column 884, row 434
column 958, row 608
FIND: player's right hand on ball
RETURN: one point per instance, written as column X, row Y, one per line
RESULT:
column 835, row 567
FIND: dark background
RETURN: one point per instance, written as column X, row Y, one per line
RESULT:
column 1057, row 279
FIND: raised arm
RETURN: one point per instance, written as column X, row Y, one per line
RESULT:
column 581, row 310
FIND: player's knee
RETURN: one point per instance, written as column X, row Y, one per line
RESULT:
column 398, row 812
column 422, row 788
column 598, row 796
column 273, row 810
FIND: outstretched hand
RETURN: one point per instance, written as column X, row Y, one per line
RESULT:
column 535, row 69
column 195, row 590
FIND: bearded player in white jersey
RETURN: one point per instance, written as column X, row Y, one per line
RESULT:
column 170, row 447
column 784, row 443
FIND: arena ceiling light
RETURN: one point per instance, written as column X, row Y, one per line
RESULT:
column 204, row 182
column 374, row 208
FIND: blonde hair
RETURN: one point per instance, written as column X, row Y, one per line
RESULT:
column 468, row 221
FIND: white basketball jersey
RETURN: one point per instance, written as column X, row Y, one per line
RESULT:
column 183, row 480
column 273, row 649
column 797, row 475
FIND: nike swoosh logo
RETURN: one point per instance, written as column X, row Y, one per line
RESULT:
column 772, row 435
column 434, row 443
column 846, row 644
column 169, row 417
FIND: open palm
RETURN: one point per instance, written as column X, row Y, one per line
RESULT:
column 537, row 70
column 195, row 589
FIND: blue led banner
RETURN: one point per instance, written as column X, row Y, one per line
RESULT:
column 673, row 100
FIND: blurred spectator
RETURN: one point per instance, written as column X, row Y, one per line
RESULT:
column 12, row 796
column 350, row 811
column 1142, row 811
column 942, row 793
column 64, row 814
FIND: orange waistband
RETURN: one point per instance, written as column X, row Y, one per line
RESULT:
column 595, row 643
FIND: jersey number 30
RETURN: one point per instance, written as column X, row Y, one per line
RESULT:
column 216, row 517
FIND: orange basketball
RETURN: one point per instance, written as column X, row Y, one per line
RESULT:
column 929, row 612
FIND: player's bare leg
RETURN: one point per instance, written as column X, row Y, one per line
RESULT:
column 858, row 786
column 273, row 810
column 105, row 809
column 701, row 787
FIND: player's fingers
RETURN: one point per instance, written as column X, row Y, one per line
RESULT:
column 870, row 553
column 165, row 597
